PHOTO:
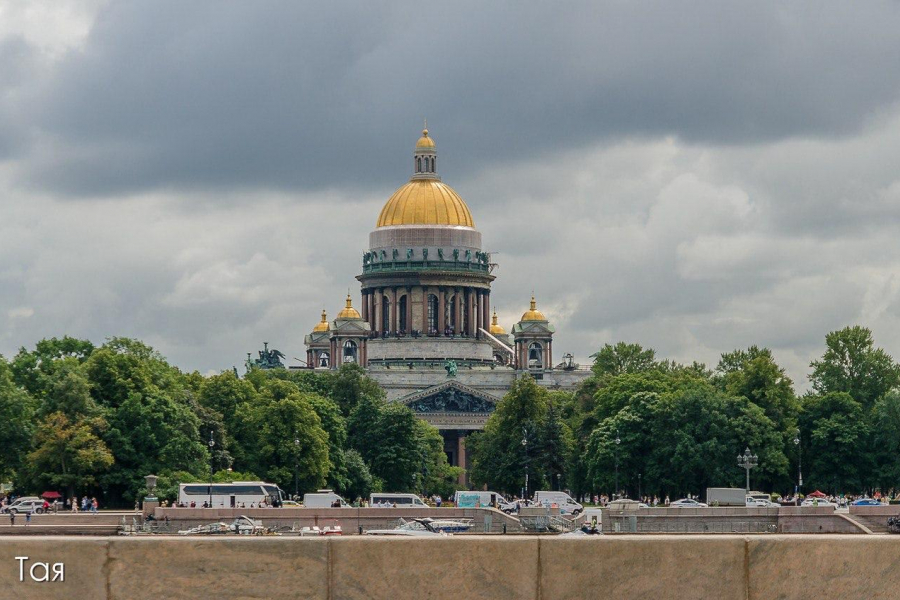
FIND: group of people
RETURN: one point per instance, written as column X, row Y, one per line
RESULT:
column 84, row 505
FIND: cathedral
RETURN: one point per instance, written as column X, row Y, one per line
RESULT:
column 424, row 329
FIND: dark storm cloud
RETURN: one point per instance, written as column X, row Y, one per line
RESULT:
column 306, row 96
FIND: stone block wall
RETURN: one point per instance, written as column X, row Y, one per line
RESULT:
column 766, row 567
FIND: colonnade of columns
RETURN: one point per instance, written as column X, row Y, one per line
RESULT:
column 437, row 310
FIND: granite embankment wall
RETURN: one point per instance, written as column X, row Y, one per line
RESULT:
column 785, row 519
column 485, row 520
column 659, row 567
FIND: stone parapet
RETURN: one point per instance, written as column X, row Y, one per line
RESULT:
column 425, row 348
column 474, row 567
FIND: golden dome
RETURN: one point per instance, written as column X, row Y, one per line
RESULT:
column 533, row 314
column 349, row 312
column 495, row 328
column 321, row 325
column 425, row 141
column 425, row 202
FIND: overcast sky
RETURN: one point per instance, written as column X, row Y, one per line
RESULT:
column 696, row 177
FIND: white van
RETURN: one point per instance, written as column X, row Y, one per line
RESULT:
column 400, row 500
column 561, row 499
column 479, row 499
column 323, row 499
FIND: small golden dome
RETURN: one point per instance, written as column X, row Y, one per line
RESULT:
column 425, row 141
column 321, row 325
column 495, row 328
column 425, row 202
column 349, row 312
column 533, row 314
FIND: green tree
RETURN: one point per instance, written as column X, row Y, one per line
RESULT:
column 886, row 440
column 499, row 458
column 437, row 476
column 69, row 454
column 623, row 358
column 836, row 438
column 755, row 375
column 291, row 444
column 853, row 365
column 32, row 369
column 17, row 410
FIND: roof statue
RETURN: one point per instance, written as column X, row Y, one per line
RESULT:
column 268, row 359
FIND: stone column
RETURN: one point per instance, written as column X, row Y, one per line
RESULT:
column 379, row 312
column 473, row 312
column 365, row 305
column 479, row 310
column 457, row 304
column 442, row 309
column 549, row 364
column 393, row 313
column 461, row 456
column 486, row 313
column 363, row 353
column 409, row 311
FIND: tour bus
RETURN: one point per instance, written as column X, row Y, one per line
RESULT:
column 238, row 494
column 401, row 500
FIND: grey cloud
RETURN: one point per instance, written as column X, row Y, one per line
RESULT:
column 306, row 96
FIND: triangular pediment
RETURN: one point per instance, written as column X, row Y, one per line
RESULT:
column 450, row 397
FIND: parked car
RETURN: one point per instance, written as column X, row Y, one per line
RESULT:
column 26, row 506
column 687, row 503
column 625, row 504
column 818, row 502
column 866, row 502
column 761, row 503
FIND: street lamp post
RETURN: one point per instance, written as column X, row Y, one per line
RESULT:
column 211, row 443
column 618, row 441
column 525, row 447
column 296, row 474
column 640, row 496
column 747, row 461
column 799, row 463
column 559, row 482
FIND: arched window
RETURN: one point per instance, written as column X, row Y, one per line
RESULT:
column 432, row 313
column 401, row 306
column 385, row 314
column 432, row 164
column 350, row 351
column 323, row 359
column 418, row 164
column 535, row 356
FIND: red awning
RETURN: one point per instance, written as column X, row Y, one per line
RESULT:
column 51, row 495
column 816, row 494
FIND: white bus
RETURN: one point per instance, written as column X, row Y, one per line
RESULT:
column 238, row 494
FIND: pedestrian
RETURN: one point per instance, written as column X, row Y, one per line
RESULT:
column 27, row 518
column 94, row 505
column 12, row 519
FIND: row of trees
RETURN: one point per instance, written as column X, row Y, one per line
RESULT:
column 96, row 420
column 663, row 428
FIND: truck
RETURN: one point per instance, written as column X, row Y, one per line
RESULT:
column 482, row 499
column 726, row 496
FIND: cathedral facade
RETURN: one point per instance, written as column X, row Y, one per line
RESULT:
column 424, row 329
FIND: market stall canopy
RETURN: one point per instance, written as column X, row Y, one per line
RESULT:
column 816, row 494
column 51, row 495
